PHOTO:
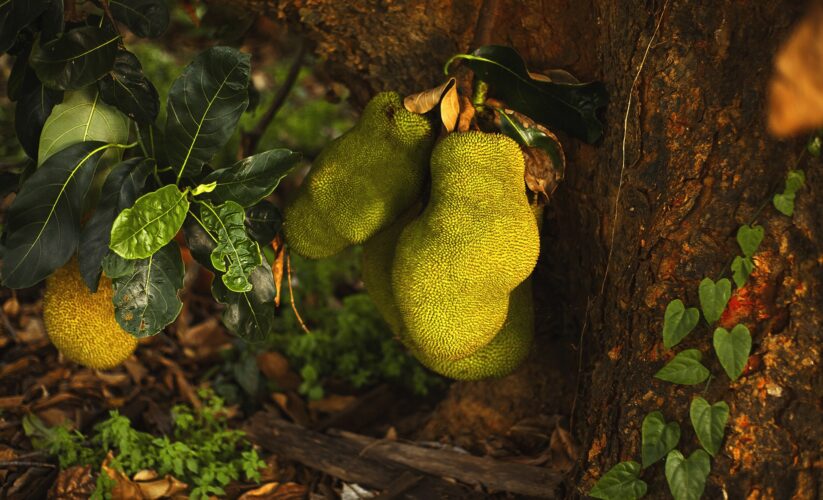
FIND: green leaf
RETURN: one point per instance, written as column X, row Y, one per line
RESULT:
column 16, row 15
column 128, row 89
column 794, row 181
column 533, row 137
column 784, row 203
column 145, row 18
column 678, row 322
column 658, row 437
column 621, row 482
column 204, row 106
column 31, row 113
column 43, row 222
column 687, row 476
column 252, row 179
column 236, row 254
column 263, row 222
column 203, row 188
column 199, row 242
column 742, row 268
column 567, row 106
column 733, row 349
column 150, row 223
column 82, row 116
column 76, row 59
column 713, row 297
column 815, row 145
column 684, row 369
column 709, row 422
column 749, row 238
column 250, row 315
column 122, row 187
column 145, row 290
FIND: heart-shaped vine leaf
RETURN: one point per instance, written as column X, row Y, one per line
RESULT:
column 709, row 422
column 236, row 255
column 145, row 18
column 145, row 290
column 621, row 482
column 784, row 203
column 742, row 268
column 733, row 349
column 150, row 223
column 16, row 15
column 684, row 369
column 687, row 476
column 794, row 181
column 678, row 322
column 253, row 178
column 250, row 315
column 658, row 437
column 122, row 187
column 714, row 297
column 568, row 106
column 43, row 221
column 204, row 106
column 76, row 59
column 749, row 238
column 127, row 88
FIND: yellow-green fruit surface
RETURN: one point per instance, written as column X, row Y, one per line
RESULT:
column 81, row 324
column 476, row 241
column 362, row 181
column 504, row 353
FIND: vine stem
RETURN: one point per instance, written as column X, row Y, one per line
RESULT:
column 291, row 296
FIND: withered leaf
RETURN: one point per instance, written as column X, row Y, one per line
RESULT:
column 444, row 95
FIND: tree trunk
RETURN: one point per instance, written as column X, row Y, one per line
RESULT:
column 642, row 217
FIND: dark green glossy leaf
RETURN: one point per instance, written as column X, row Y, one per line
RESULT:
column 127, row 88
column 205, row 104
column 658, row 437
column 569, row 107
column 714, row 297
column 150, row 223
column 43, row 222
column 22, row 78
column 684, row 369
column 145, row 18
column 151, row 142
column 733, row 349
column 263, row 222
column 145, row 290
column 533, row 137
column 709, row 422
column 236, row 255
column 16, row 15
column 30, row 114
column 742, row 267
column 122, row 187
column 250, row 315
column 678, row 322
column 76, row 59
column 52, row 23
column 621, row 482
column 687, row 477
column 253, row 178
column 749, row 238
column 199, row 242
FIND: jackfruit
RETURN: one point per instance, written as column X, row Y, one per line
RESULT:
column 361, row 181
column 476, row 241
column 81, row 324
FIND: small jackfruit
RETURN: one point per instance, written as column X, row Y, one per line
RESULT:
column 81, row 324
column 361, row 181
column 476, row 241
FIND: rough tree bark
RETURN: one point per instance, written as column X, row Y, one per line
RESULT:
column 696, row 163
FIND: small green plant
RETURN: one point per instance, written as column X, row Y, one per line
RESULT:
column 202, row 451
column 686, row 476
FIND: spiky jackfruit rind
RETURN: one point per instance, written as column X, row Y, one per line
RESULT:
column 476, row 241
column 362, row 181
column 81, row 324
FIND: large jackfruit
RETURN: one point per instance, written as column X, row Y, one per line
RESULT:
column 476, row 241
column 362, row 181
column 81, row 324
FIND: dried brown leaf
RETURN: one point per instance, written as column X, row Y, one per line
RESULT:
column 796, row 88
column 427, row 100
column 450, row 108
column 275, row 367
column 74, row 483
column 153, row 488
column 278, row 266
column 123, row 486
column 467, row 112
column 332, row 404
column 11, row 307
column 276, row 491
column 205, row 340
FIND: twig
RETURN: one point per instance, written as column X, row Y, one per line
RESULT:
column 291, row 296
column 616, row 207
column 252, row 139
column 22, row 463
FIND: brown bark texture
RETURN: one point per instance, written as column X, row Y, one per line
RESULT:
column 695, row 163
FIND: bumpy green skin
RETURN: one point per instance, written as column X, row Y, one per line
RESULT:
column 362, row 181
column 477, row 240
column 506, row 351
